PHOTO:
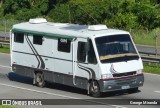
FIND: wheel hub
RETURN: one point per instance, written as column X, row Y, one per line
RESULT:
column 39, row 79
column 94, row 88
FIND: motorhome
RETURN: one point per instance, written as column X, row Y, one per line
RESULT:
column 91, row 57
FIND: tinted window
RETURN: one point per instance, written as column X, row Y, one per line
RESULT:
column 37, row 39
column 64, row 45
column 81, row 53
column 19, row 37
column 91, row 54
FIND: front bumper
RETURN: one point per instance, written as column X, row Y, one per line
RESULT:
column 121, row 83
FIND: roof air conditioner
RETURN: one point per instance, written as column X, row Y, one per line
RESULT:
column 37, row 20
column 97, row 27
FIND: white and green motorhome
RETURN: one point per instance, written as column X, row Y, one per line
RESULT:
column 92, row 57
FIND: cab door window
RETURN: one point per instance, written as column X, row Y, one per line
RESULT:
column 91, row 54
column 81, row 52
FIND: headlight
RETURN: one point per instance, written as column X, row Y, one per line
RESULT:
column 107, row 76
column 139, row 71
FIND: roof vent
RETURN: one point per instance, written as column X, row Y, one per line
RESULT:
column 37, row 20
column 97, row 27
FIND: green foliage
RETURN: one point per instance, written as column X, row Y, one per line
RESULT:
column 145, row 37
column 125, row 21
column 7, row 106
column 1, row 15
column 60, row 13
column 87, row 12
column 5, row 49
column 25, row 9
column 148, row 15
column 124, row 14
column 152, row 68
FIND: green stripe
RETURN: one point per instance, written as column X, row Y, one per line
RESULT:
column 43, row 33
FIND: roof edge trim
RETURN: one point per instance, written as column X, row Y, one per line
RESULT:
column 43, row 33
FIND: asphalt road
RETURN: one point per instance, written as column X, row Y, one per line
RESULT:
column 13, row 86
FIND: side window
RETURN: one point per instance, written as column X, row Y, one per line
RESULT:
column 37, row 39
column 19, row 37
column 91, row 54
column 81, row 52
column 64, row 45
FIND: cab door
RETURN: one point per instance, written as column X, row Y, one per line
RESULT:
column 79, row 56
column 86, row 63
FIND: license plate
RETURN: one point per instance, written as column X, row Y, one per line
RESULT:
column 125, row 87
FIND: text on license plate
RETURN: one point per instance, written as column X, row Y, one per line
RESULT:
column 125, row 87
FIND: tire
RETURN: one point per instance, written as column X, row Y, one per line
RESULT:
column 39, row 80
column 133, row 90
column 94, row 89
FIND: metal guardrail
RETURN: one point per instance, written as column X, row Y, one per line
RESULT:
column 147, row 59
column 149, row 54
column 2, row 43
column 4, row 38
column 4, row 34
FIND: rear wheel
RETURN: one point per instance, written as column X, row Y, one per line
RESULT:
column 39, row 80
column 94, row 89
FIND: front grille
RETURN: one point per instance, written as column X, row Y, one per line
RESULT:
column 124, row 74
column 126, row 81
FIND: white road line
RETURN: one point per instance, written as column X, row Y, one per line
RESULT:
column 157, row 91
column 65, row 96
column 22, row 88
column 5, row 66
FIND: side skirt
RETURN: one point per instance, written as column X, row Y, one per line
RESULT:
column 51, row 76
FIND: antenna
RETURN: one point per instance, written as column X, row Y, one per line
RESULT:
column 69, row 13
column 89, row 15
column 95, row 20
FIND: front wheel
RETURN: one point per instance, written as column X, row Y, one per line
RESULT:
column 39, row 80
column 94, row 89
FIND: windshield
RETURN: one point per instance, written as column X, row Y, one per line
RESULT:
column 115, row 48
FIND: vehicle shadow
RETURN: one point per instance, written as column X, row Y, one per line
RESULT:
column 66, row 88
column 26, row 80
column 15, row 77
column 118, row 93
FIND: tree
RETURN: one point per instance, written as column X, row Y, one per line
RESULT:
column 126, row 14
column 148, row 15
column 26, row 9
column 87, row 12
column 60, row 13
